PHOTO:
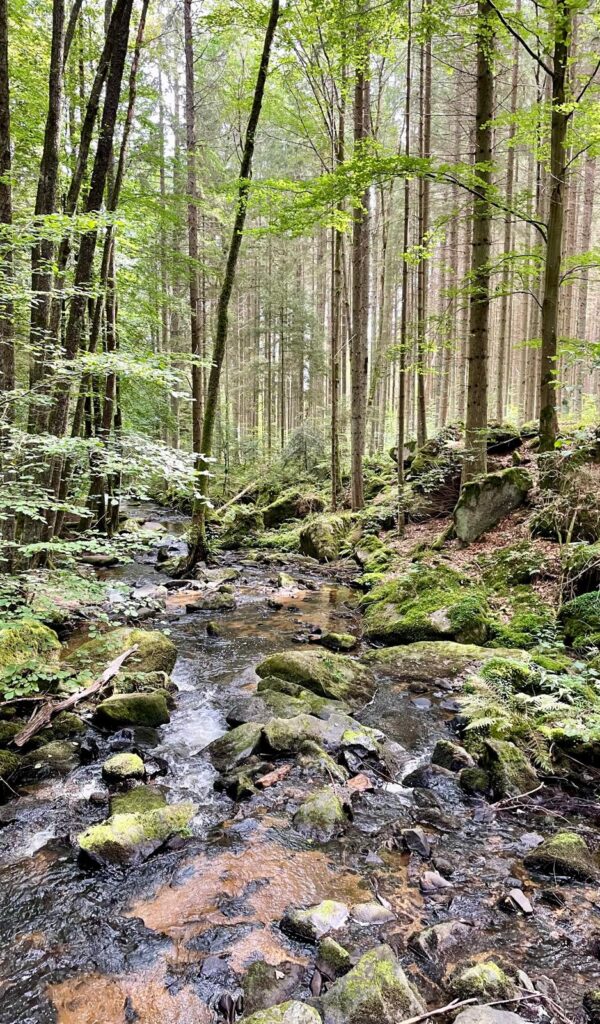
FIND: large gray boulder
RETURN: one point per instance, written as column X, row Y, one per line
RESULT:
column 484, row 502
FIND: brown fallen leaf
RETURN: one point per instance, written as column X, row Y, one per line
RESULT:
column 271, row 778
column 359, row 783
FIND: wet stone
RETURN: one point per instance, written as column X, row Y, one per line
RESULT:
column 121, row 767
column 441, row 938
column 235, row 747
column 450, row 755
column 376, row 989
column 144, row 709
column 312, row 924
column 333, row 957
column 292, row 1012
column 371, row 914
column 265, row 985
column 416, row 841
column 566, row 854
column 482, row 981
column 322, row 814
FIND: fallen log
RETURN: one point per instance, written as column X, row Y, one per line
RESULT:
column 43, row 716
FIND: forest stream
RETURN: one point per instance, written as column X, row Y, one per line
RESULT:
column 170, row 940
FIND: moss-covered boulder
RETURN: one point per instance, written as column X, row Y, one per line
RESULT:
column 430, row 661
column 56, row 758
column 334, row 956
column 565, row 853
column 137, row 800
column 242, row 524
column 292, row 504
column 430, row 602
column 328, row 675
column 322, row 814
column 591, row 1005
column 322, row 537
column 149, row 709
column 292, row 1012
column 235, row 747
column 127, row 838
column 484, row 502
column 25, row 641
column 338, row 642
column 156, row 652
column 288, row 735
column 510, row 771
column 138, row 682
column 9, row 765
column 450, row 755
column 582, row 564
column 474, row 781
column 376, row 990
column 266, row 986
column 123, row 767
column 580, row 619
column 484, row 981
column 312, row 924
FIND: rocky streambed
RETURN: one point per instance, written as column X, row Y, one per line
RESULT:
column 280, row 831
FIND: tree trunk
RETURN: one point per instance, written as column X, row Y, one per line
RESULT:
column 422, row 271
column 198, row 548
column 405, row 282
column 192, row 187
column 360, row 296
column 475, row 457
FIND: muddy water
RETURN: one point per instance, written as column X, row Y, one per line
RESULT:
column 161, row 943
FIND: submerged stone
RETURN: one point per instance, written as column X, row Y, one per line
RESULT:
column 156, row 652
column 235, row 747
column 485, row 501
column 124, row 766
column 149, row 709
column 328, row 675
column 126, row 838
column 315, row 922
column 375, row 990
column 565, row 853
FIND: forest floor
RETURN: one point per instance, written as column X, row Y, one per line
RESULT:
column 299, row 824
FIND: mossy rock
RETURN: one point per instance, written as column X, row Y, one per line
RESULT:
column 292, row 1012
column 427, row 603
column 56, row 758
column 516, row 565
column 24, row 641
column 375, row 991
column 429, row 660
column 510, row 771
column 156, row 652
column 291, row 505
column 474, row 781
column 531, row 624
column 328, row 675
column 137, row 801
column 322, row 814
column 565, row 853
column 122, row 767
column 482, row 981
column 149, row 709
column 266, row 986
column 582, row 562
column 450, row 755
column 485, row 501
column 591, row 1005
column 126, row 838
column 235, row 747
column 338, row 642
column 312, row 924
column 316, row 759
column 8, row 730
column 9, row 765
column 242, row 524
column 334, row 955
column 322, row 537
column 288, row 735
column 66, row 725
column 580, row 619
column 139, row 682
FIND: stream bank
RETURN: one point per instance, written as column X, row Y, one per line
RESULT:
column 408, row 858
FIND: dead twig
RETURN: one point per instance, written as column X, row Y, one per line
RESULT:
column 44, row 715
column 456, row 1003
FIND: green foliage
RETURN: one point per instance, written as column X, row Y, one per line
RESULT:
column 28, row 678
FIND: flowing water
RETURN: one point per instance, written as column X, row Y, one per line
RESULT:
column 160, row 943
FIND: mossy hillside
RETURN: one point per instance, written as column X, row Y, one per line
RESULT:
column 429, row 602
column 240, row 525
column 508, row 575
column 156, row 652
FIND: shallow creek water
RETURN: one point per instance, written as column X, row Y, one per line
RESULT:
column 161, row 942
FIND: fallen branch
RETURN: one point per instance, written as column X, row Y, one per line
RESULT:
column 513, row 801
column 237, row 497
column 456, row 1003
column 44, row 715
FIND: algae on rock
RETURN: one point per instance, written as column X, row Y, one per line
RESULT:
column 328, row 675
column 375, row 990
column 156, row 652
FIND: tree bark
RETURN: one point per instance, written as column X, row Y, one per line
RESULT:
column 192, row 187
column 360, row 295
column 475, row 456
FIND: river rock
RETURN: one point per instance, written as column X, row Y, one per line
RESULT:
column 292, row 1012
column 441, row 938
column 149, row 709
column 9, row 764
column 450, row 755
column 138, row 682
column 484, row 502
column 26, row 640
column 482, row 981
column 416, row 840
column 376, row 989
column 565, row 853
column 488, row 1015
column 372, row 913
column 322, row 814
column 56, row 758
column 431, row 661
column 439, row 780
column 510, row 771
column 156, row 652
column 121, row 767
column 474, row 781
column 334, row 956
column 338, row 641
column 287, row 735
column 137, row 801
column 328, row 675
column 128, row 838
column 265, row 985
column 235, row 747
column 591, row 1005
column 315, row 922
